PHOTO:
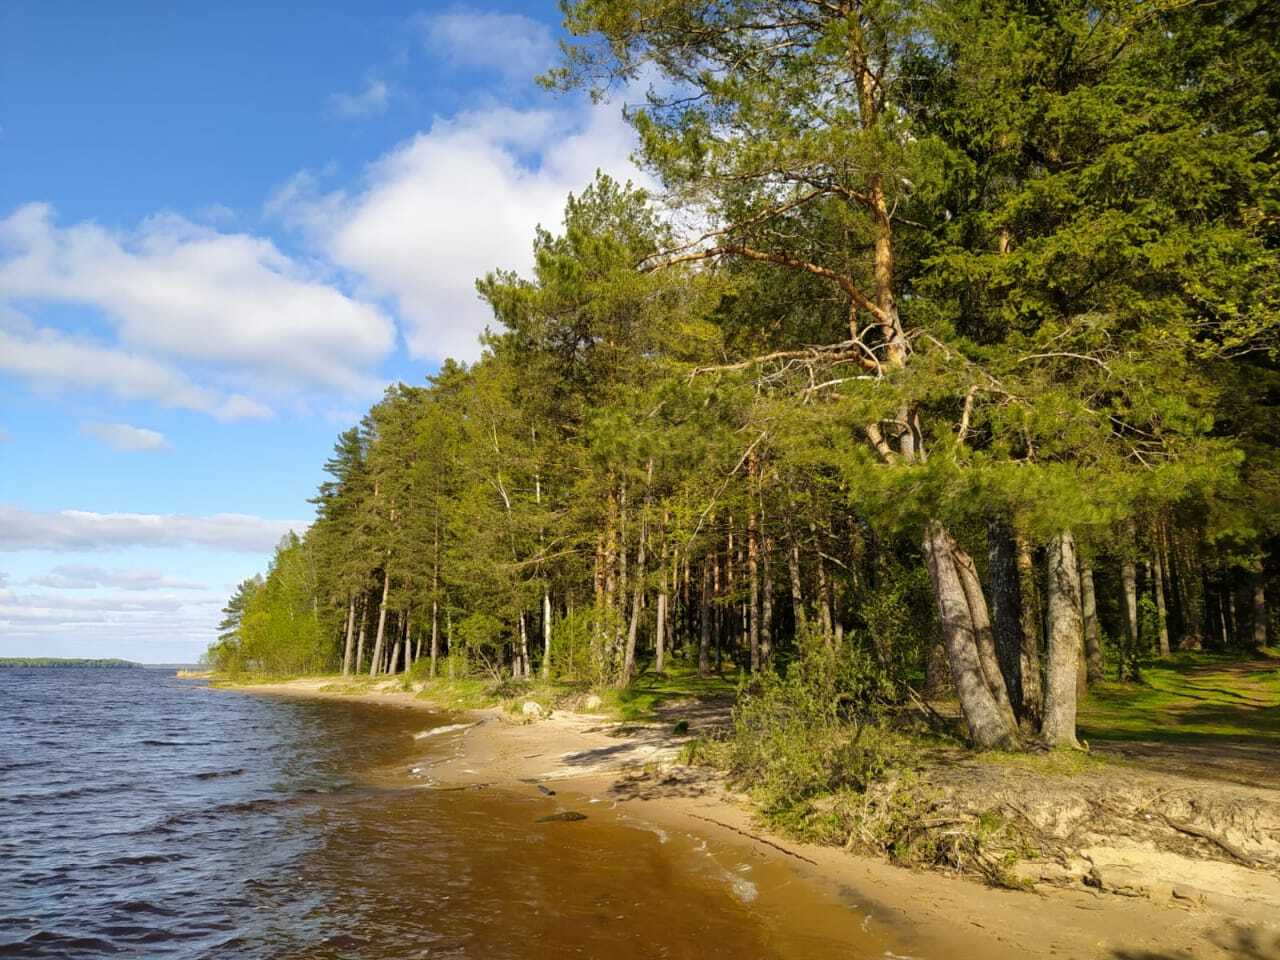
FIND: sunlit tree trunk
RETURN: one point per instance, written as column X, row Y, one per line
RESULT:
column 1092, row 638
column 349, row 650
column 364, row 609
column 1162, row 621
column 376, row 664
column 983, row 716
column 704, row 638
column 1066, row 634
column 982, row 632
column 1032, row 688
column 435, row 635
column 546, row 634
column 1129, row 583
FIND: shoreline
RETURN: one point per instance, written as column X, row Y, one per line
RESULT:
column 632, row 766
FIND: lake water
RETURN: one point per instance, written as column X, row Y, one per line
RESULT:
column 141, row 815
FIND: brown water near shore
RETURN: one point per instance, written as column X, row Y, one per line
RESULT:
column 471, row 872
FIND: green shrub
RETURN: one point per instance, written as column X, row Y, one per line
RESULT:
column 812, row 730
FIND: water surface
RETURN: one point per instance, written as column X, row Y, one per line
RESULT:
column 145, row 816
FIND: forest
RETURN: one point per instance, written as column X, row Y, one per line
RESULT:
column 941, row 366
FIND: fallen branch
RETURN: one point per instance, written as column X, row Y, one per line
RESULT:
column 1193, row 831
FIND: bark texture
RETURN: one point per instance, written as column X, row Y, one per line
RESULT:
column 1066, row 634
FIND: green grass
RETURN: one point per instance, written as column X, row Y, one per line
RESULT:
column 1187, row 697
column 643, row 700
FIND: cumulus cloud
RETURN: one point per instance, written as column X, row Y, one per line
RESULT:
column 177, row 289
column 82, row 530
column 510, row 44
column 122, row 436
column 78, row 576
column 373, row 99
column 51, row 358
column 455, row 202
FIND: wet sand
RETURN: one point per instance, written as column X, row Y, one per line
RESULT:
column 596, row 765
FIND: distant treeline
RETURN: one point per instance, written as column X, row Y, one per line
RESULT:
column 108, row 664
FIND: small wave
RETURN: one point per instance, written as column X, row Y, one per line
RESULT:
column 176, row 743
column 448, row 728
column 145, row 859
column 215, row 774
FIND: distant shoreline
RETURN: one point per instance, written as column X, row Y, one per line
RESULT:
column 53, row 663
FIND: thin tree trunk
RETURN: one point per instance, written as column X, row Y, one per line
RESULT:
column 1032, row 688
column 704, row 639
column 1129, row 582
column 525, row 671
column 982, row 715
column 393, row 664
column 408, row 643
column 435, row 636
column 766, row 605
column 364, row 609
column 1066, row 634
column 753, row 565
column 1259, row 609
column 349, row 650
column 546, row 634
column 798, row 612
column 1094, row 669
column 1162, row 621
column 382, row 625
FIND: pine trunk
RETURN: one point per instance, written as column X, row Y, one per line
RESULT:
column 1092, row 638
column 1006, row 607
column 1162, row 621
column 1259, row 609
column 982, row 633
column 376, row 663
column 1032, row 688
column 1129, row 582
column 987, row 727
column 546, row 635
column 753, row 573
column 349, row 650
column 1066, row 635
column 704, row 638
column 364, row 609
column 435, row 636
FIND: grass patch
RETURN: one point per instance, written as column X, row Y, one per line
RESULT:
column 1190, row 696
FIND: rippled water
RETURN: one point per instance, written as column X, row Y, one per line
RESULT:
column 145, row 816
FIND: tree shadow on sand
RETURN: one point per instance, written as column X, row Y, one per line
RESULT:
column 1240, row 943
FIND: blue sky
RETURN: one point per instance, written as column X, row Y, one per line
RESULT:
column 223, row 229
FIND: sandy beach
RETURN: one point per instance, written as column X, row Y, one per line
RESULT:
column 589, row 760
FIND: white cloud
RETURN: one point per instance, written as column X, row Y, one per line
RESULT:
column 372, row 100
column 53, row 359
column 77, row 576
column 82, row 530
column 454, row 203
column 122, row 436
column 176, row 289
column 513, row 45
